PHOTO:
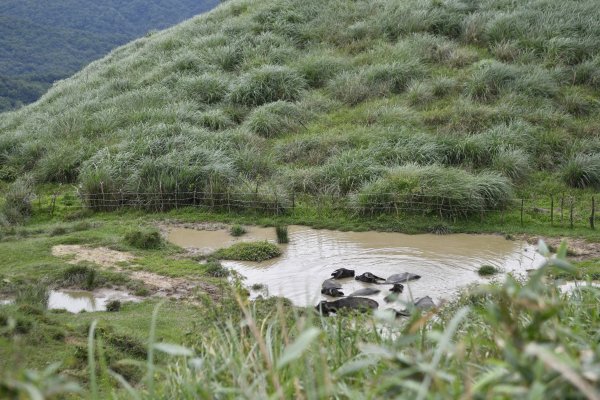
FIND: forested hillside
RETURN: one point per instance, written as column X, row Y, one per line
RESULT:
column 459, row 104
column 43, row 41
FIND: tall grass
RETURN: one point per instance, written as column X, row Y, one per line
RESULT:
column 435, row 190
column 582, row 171
column 496, row 340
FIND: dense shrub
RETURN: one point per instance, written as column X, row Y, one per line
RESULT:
column 206, row 88
column 273, row 119
column 144, row 238
column 249, row 251
column 435, row 189
column 215, row 269
column 267, row 84
column 17, row 201
column 79, row 276
column 486, row 270
column 237, row 230
column 215, row 120
column 318, row 69
column 582, row 171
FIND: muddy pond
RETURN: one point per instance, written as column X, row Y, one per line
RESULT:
column 446, row 263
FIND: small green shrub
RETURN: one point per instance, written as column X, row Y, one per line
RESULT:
column 144, row 238
column 113, row 306
column 215, row 120
column 282, row 234
column 206, row 88
column 582, row 171
column 215, row 269
column 486, row 270
column 317, row 70
column 249, row 251
column 17, row 201
column 58, row 231
column 79, row 276
column 273, row 119
column 237, row 230
column 267, row 84
column 512, row 163
column 35, row 295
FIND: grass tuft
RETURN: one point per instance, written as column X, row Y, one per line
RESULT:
column 249, row 251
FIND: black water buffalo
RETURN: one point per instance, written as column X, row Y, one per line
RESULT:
column 331, row 284
column 349, row 303
column 333, row 292
column 369, row 278
column 365, row 292
column 341, row 273
column 402, row 278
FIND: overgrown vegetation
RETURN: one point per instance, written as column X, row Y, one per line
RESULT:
column 260, row 100
column 145, row 238
column 249, row 251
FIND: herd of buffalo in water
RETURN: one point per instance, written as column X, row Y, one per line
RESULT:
column 354, row 301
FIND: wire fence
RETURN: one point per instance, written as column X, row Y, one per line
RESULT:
column 563, row 209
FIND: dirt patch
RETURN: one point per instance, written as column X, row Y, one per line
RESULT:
column 577, row 249
column 158, row 284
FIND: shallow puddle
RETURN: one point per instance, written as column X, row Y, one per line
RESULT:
column 207, row 241
column 446, row 263
column 75, row 301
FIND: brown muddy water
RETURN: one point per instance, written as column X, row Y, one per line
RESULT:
column 446, row 263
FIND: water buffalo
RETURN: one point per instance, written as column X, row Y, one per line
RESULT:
column 365, row 292
column 331, row 284
column 349, row 303
column 397, row 288
column 402, row 278
column 369, row 278
column 424, row 303
column 333, row 292
column 341, row 273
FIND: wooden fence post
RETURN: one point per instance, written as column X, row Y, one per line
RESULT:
column 562, row 208
column 593, row 216
column 522, row 205
column 571, row 213
column 551, row 210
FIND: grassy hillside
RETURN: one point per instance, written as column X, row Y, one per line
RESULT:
column 456, row 102
column 43, row 41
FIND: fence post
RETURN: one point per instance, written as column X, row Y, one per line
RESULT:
column 293, row 200
column 571, row 213
column 522, row 205
column 194, row 200
column 53, row 204
column 562, row 208
column 228, row 202
column 593, row 216
column 551, row 210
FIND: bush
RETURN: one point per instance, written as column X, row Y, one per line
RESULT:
column 207, row 88
column 144, row 238
column 351, row 88
column 486, row 270
column 35, row 295
column 58, row 231
column 273, row 119
column 282, row 234
column 215, row 269
column 79, row 276
column 512, row 163
column 249, row 251
column 267, row 84
column 237, row 230
column 113, row 306
column 435, row 190
column 317, row 70
column 215, row 120
column 17, row 201
column 582, row 171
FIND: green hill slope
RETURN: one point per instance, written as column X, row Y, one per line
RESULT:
column 42, row 41
column 459, row 103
